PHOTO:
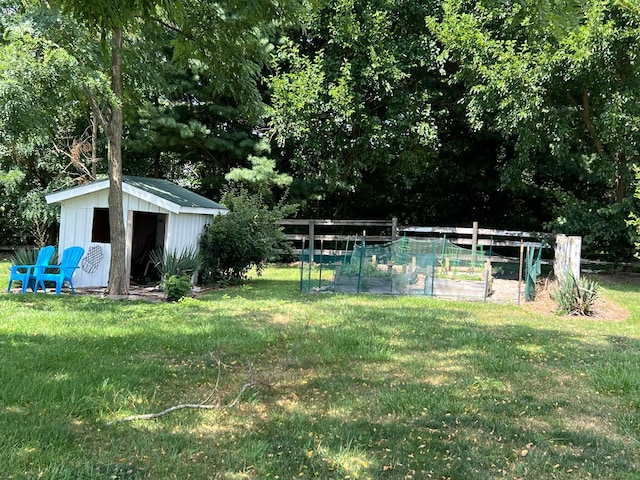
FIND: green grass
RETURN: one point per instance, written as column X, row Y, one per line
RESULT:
column 373, row 387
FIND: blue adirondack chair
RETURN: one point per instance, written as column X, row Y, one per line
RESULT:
column 61, row 273
column 26, row 273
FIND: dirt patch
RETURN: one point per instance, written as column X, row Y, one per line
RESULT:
column 150, row 294
column 509, row 291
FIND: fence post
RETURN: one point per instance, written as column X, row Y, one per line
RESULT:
column 394, row 229
column 520, row 268
column 567, row 256
column 302, row 266
column 312, row 241
column 474, row 241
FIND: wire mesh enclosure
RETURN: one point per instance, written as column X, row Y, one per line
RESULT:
column 432, row 267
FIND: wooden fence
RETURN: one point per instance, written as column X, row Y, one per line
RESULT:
column 332, row 235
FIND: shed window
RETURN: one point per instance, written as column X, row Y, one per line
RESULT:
column 100, row 229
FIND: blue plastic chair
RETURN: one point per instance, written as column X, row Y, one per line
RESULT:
column 60, row 273
column 26, row 273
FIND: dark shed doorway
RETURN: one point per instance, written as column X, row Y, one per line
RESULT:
column 149, row 231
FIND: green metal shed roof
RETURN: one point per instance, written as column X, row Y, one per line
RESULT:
column 155, row 190
column 171, row 192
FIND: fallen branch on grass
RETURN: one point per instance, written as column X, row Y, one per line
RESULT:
column 203, row 406
column 149, row 416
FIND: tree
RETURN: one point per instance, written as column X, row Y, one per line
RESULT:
column 110, row 18
column 34, row 112
column 560, row 79
column 352, row 97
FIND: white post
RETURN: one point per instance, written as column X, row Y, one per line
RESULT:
column 567, row 256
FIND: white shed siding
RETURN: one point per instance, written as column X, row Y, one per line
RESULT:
column 184, row 231
column 134, row 204
column 85, row 276
column 76, row 219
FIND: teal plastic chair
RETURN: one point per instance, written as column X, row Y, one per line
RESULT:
column 26, row 273
column 59, row 274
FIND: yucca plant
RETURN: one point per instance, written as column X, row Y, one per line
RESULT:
column 576, row 297
column 26, row 256
column 176, row 264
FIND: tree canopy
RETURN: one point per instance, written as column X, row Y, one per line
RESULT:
column 518, row 115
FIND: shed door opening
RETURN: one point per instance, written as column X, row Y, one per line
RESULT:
column 148, row 235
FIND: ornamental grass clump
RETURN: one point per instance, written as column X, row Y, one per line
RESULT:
column 25, row 256
column 183, row 263
column 576, row 297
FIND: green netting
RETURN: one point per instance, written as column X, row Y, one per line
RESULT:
column 407, row 266
column 532, row 272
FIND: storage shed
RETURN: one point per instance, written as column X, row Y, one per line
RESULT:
column 158, row 214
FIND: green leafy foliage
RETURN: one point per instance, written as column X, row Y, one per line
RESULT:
column 606, row 232
column 576, row 297
column 177, row 287
column 261, row 178
column 245, row 238
column 634, row 219
column 561, row 80
column 352, row 97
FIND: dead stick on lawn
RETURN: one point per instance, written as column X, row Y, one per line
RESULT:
column 149, row 416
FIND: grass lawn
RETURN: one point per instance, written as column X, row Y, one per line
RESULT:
column 346, row 387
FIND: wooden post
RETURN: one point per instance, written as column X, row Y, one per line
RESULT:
column 302, row 265
column 474, row 242
column 364, row 235
column 520, row 268
column 321, row 262
column 486, row 273
column 312, row 241
column 394, row 229
column 567, row 256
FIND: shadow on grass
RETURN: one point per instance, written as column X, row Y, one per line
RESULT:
column 364, row 387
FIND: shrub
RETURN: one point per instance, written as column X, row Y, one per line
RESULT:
column 177, row 287
column 576, row 297
column 248, row 236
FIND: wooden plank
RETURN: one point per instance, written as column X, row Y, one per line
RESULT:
column 339, row 238
column 498, row 243
column 355, row 223
column 297, row 237
column 509, row 233
column 469, row 231
column 436, row 230
column 483, row 242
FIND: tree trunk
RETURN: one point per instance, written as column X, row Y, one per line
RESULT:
column 622, row 176
column 118, row 281
column 94, row 147
column 622, row 167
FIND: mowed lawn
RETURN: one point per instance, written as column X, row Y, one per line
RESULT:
column 341, row 387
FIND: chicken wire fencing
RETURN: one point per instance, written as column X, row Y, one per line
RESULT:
column 409, row 266
column 434, row 267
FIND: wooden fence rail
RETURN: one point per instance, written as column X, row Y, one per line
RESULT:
column 317, row 231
